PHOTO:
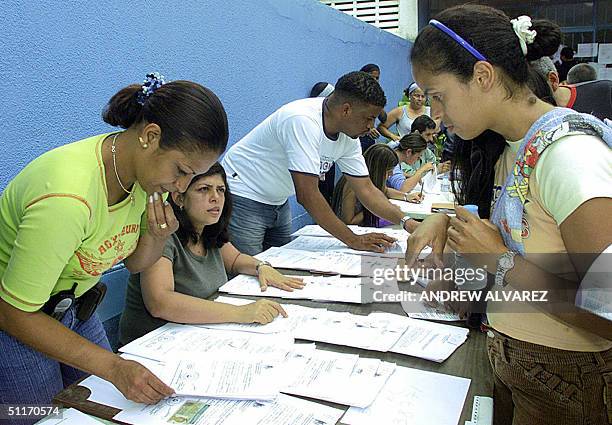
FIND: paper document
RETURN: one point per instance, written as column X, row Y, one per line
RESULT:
column 173, row 339
column 284, row 410
column 418, row 310
column 316, row 230
column 238, row 378
column 413, row 396
column 323, row 262
column 429, row 340
column 318, row 288
column 340, row 378
column 71, row 417
column 321, row 244
column 605, row 54
column 586, row 50
column 104, row 392
column 377, row 331
column 297, row 316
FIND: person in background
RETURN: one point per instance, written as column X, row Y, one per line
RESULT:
column 381, row 160
column 321, row 89
column 195, row 263
column 592, row 97
column 581, row 73
column 427, row 128
column 328, row 179
column 410, row 150
column 551, row 360
column 567, row 63
column 75, row 212
column 403, row 116
column 370, row 138
column 293, row 146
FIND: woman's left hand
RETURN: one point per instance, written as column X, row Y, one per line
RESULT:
column 161, row 220
column 478, row 240
column 269, row 276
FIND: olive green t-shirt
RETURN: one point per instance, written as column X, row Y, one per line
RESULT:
column 195, row 275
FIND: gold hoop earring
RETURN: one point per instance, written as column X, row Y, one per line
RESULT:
column 143, row 143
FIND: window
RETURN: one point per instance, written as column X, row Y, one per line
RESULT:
column 383, row 14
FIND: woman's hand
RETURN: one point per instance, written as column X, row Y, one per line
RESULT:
column 431, row 232
column 137, row 383
column 269, row 276
column 428, row 166
column 261, row 311
column 478, row 240
column 414, row 198
column 444, row 167
column 161, row 220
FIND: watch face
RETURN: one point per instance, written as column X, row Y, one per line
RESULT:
column 506, row 262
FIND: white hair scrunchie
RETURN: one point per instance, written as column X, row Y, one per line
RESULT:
column 521, row 27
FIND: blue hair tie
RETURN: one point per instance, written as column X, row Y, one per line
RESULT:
column 452, row 34
column 151, row 83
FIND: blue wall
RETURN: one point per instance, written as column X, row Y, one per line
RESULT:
column 60, row 61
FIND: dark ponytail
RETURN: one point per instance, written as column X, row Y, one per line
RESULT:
column 546, row 42
column 123, row 109
column 191, row 117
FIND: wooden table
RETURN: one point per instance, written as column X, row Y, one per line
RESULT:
column 468, row 361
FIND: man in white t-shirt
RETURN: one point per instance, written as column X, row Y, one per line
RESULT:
column 288, row 152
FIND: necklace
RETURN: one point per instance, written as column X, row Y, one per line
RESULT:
column 113, row 151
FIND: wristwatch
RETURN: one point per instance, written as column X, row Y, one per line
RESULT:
column 505, row 263
column 261, row 264
column 403, row 221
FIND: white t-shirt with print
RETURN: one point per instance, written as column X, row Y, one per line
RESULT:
column 259, row 166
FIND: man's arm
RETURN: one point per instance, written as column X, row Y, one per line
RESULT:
column 376, row 201
column 308, row 195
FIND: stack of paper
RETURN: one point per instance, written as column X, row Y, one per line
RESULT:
column 377, row 331
column 174, row 339
column 316, row 230
column 204, row 411
column 318, row 288
column 297, row 315
column 430, row 341
column 69, row 417
column 322, row 262
column 339, row 378
column 413, row 396
column 418, row 310
column 322, row 244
